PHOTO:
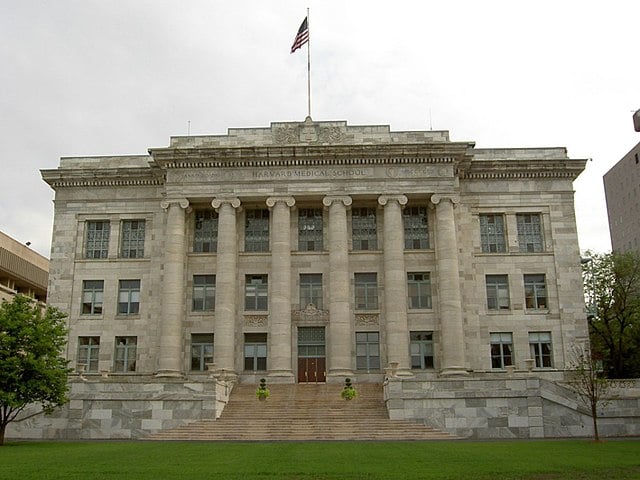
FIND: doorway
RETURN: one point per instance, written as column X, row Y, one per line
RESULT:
column 312, row 363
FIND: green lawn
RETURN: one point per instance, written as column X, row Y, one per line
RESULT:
column 539, row 460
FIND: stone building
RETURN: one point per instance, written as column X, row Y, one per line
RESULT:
column 312, row 251
column 22, row 271
column 623, row 202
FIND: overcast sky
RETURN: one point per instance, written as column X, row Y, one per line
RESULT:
column 88, row 77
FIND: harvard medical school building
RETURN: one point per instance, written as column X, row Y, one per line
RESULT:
column 312, row 251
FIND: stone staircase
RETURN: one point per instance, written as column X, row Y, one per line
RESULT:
column 303, row 412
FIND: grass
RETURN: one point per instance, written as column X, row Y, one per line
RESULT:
column 522, row 460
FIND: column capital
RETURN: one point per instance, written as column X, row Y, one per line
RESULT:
column 287, row 200
column 233, row 201
column 182, row 202
column 329, row 199
column 452, row 197
column 385, row 199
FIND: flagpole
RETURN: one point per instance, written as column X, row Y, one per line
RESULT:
column 308, row 66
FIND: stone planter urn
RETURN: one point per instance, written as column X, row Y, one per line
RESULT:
column 511, row 369
column 80, row 368
column 529, row 362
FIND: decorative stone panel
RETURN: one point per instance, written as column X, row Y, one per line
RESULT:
column 310, row 315
column 255, row 320
column 367, row 319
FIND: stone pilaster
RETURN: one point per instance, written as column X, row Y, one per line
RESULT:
column 226, row 284
column 340, row 331
column 280, row 292
column 449, row 297
column 170, row 357
column 395, row 284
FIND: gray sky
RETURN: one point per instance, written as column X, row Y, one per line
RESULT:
column 88, row 77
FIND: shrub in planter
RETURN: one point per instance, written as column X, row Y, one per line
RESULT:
column 348, row 392
column 262, row 392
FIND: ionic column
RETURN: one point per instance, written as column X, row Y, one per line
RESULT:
column 170, row 358
column 395, row 284
column 280, row 294
column 449, row 297
column 226, row 281
column 340, row 331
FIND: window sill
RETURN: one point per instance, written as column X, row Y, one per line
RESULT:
column 536, row 311
column 130, row 316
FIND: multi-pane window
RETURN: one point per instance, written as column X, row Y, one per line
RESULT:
column 529, row 232
column 125, row 358
column 92, row 295
column 492, row 234
column 501, row 350
column 416, row 228
column 367, row 350
column 96, row 242
column 88, row 351
column 204, row 293
column 311, row 289
column 366, row 291
column 535, row 292
column 256, row 231
column 540, row 346
column 201, row 350
column 256, row 290
column 497, row 292
column 419, row 288
column 205, row 232
column 132, row 239
column 129, row 297
column 310, row 229
column 363, row 229
column 421, row 350
column 255, row 351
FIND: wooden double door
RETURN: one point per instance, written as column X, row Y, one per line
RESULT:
column 312, row 361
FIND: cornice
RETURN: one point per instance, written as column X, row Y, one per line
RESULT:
column 120, row 177
column 523, row 169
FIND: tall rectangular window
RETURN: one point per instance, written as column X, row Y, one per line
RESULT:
column 255, row 351
column 529, row 232
column 366, row 291
column 256, row 290
column 92, row 296
column 201, row 351
column 540, row 346
column 125, row 358
column 535, row 292
column 367, row 351
column 497, row 292
column 96, row 241
column 492, row 233
column 256, row 231
column 204, row 293
column 132, row 239
column 416, row 228
column 88, row 352
column 205, row 232
column 310, row 229
column 129, row 297
column 364, row 233
column 421, row 350
column 419, row 288
column 501, row 350
column 311, row 289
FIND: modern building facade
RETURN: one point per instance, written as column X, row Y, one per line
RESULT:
column 308, row 251
column 622, row 192
column 22, row 271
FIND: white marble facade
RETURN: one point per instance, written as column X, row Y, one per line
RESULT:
column 196, row 254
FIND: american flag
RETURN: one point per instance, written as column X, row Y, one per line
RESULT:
column 302, row 36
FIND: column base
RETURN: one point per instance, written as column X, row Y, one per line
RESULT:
column 281, row 376
column 168, row 374
column 454, row 372
column 338, row 375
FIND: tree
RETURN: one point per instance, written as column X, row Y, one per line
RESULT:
column 32, row 369
column 591, row 387
column 612, row 293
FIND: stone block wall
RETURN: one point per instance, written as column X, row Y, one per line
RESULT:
column 124, row 408
column 509, row 407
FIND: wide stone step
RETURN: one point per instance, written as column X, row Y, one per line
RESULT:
column 303, row 412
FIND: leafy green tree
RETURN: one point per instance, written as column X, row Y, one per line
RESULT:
column 32, row 368
column 612, row 292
